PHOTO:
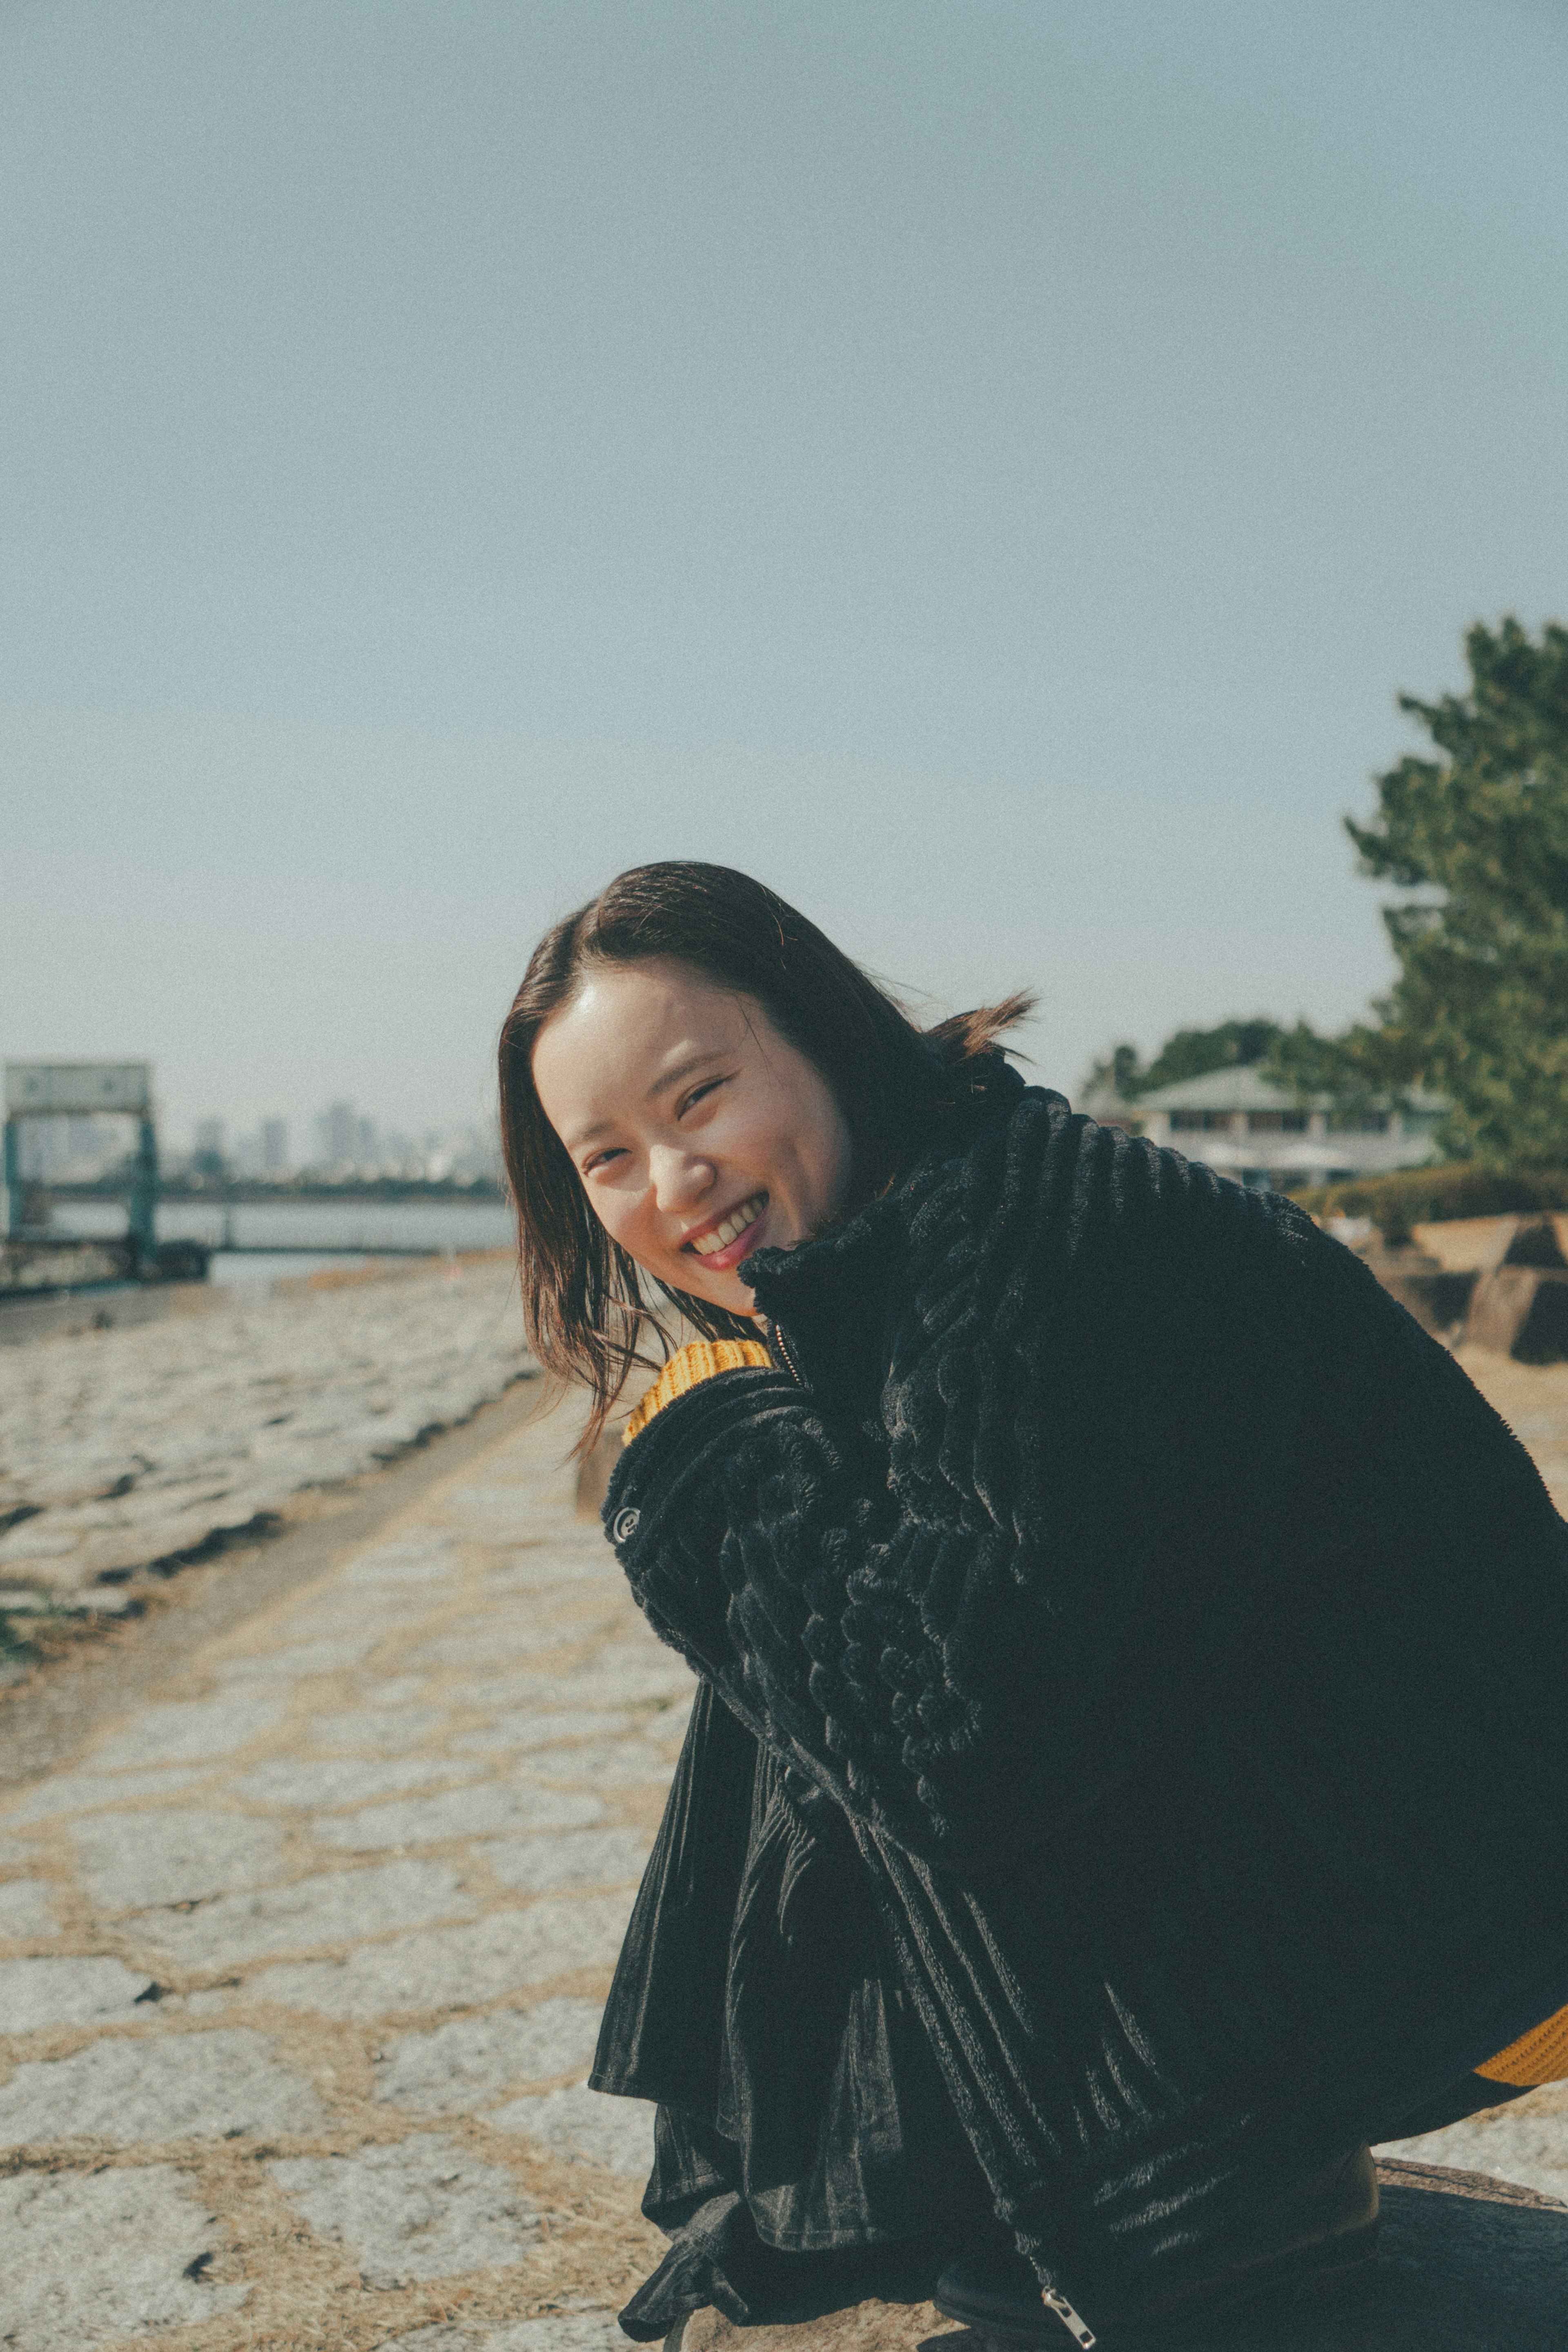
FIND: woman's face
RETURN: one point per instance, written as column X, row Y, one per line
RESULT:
column 699, row 1133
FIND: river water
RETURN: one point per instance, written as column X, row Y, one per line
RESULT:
column 268, row 1239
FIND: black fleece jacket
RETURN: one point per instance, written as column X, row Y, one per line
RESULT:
column 1185, row 1640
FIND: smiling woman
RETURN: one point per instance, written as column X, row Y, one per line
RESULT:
column 1129, row 1748
column 699, row 1132
column 692, row 1072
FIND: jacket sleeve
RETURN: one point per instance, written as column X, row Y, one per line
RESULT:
column 746, row 1531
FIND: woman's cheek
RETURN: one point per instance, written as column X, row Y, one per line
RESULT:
column 613, row 1215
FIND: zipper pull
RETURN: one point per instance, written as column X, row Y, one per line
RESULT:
column 1077, row 2326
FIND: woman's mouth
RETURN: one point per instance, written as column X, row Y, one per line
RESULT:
column 726, row 1244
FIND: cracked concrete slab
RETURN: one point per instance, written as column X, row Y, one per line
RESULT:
column 618, row 1684
column 302, row 1660
column 35, row 1993
column 309, row 1783
column 90, row 2257
column 128, row 1861
column 336, row 1907
column 400, row 1690
column 26, row 1912
column 339, row 1613
column 618, row 1763
column 456, row 1967
column 421, row 2209
column 539, row 1572
column 536, row 1865
column 566, row 2331
column 389, row 1730
column 89, row 1792
column 400, row 1565
column 211, row 2085
column 471, row 1811
column 525, row 1728
column 475, row 2060
column 186, row 1733
column 470, row 1645
column 580, row 2123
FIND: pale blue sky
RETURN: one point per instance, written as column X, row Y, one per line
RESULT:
column 985, row 468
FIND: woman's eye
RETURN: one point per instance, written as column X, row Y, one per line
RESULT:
column 697, row 1093
column 603, row 1160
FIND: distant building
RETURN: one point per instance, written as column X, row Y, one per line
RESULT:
column 209, row 1150
column 337, row 1134
column 274, row 1147
column 1239, row 1125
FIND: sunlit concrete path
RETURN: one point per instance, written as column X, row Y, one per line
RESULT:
column 302, row 1961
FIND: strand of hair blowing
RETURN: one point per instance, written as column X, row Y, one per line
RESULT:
column 585, row 1303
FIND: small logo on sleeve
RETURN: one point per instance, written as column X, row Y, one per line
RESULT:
column 623, row 1526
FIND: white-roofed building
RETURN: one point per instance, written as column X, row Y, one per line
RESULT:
column 1241, row 1126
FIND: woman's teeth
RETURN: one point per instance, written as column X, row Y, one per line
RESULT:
column 736, row 1222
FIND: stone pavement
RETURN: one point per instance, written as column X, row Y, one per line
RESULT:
column 301, row 1962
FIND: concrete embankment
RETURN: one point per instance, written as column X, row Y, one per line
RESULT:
column 126, row 1447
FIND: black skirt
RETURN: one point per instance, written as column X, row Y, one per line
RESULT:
column 803, row 2132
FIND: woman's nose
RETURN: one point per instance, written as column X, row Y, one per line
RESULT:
column 680, row 1179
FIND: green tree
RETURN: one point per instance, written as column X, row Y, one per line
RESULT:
column 1118, row 1074
column 1363, row 1066
column 1189, row 1053
column 1193, row 1053
column 1479, row 834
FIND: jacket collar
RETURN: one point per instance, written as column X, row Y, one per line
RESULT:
column 843, row 1274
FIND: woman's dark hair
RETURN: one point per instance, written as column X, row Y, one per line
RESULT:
column 584, row 1298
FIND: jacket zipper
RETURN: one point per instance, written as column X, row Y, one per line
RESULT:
column 1077, row 2326
column 790, row 1366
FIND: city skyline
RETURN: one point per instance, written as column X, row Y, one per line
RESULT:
column 341, row 1139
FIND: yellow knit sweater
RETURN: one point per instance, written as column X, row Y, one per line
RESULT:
column 1539, row 2056
column 699, row 1361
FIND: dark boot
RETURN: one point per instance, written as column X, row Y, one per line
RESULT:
column 1316, row 2239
